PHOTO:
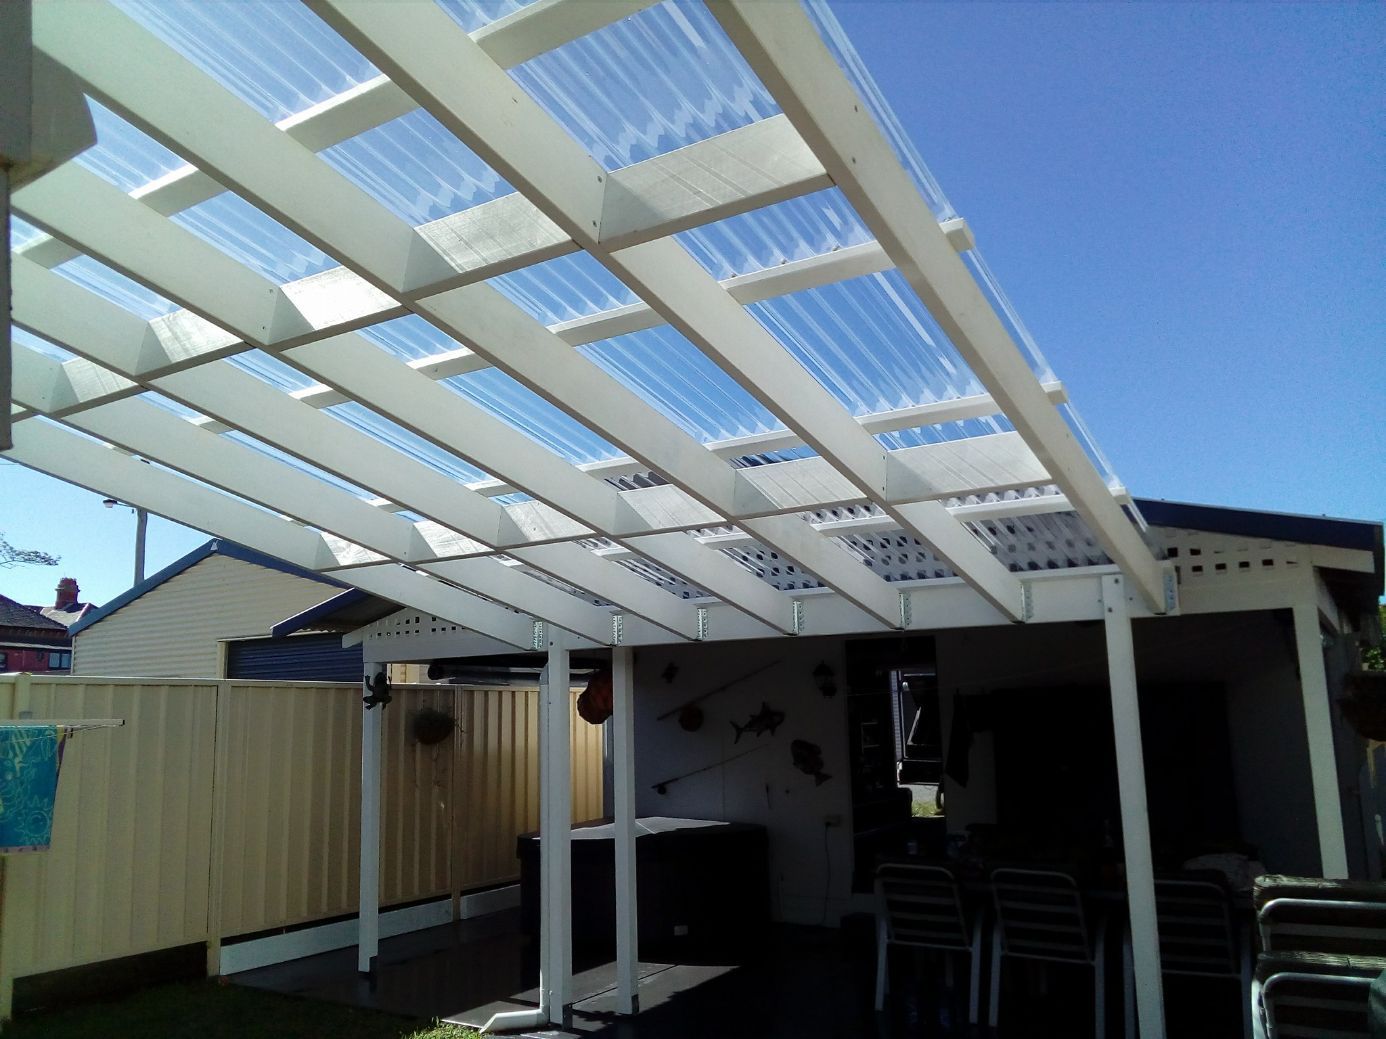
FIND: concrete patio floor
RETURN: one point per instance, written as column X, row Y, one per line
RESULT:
column 810, row 982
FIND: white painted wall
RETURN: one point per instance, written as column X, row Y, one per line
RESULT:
column 808, row 860
column 173, row 631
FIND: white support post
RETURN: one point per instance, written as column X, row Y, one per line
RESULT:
column 372, row 723
column 555, row 836
column 1318, row 732
column 623, row 753
column 1135, row 818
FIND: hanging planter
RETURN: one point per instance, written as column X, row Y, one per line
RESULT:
column 432, row 726
column 1364, row 707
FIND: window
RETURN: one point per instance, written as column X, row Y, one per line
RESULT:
column 4, row 660
column 60, row 659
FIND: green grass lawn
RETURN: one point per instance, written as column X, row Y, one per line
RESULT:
column 207, row 1010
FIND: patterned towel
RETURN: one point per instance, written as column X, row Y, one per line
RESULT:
column 29, row 759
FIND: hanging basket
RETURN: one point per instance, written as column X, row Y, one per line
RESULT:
column 432, row 726
column 1364, row 707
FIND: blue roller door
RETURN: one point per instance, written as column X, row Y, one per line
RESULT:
column 299, row 658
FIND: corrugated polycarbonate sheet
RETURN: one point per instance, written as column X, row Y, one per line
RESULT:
column 664, row 78
column 280, row 58
column 115, row 287
column 668, row 372
column 416, row 169
column 644, row 86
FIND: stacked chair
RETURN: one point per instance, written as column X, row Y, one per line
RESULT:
column 922, row 906
column 1040, row 916
column 1323, row 943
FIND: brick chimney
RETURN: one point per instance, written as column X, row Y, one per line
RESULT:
column 68, row 594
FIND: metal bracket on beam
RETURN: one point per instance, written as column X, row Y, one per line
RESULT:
column 702, row 623
column 906, row 610
column 1027, row 602
column 798, row 616
column 537, row 633
column 618, row 628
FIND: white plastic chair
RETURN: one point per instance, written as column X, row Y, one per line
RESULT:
column 1040, row 916
column 922, row 906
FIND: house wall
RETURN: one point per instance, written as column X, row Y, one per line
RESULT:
column 1250, row 654
column 173, row 630
column 810, row 862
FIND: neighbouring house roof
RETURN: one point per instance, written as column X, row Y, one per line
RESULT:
column 345, row 611
column 215, row 547
column 17, row 615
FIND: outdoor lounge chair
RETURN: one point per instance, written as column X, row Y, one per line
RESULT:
column 1323, row 943
column 922, row 906
column 1040, row 916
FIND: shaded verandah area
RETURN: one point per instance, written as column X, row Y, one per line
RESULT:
column 829, row 486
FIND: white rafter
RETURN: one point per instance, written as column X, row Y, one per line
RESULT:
column 785, row 51
column 442, row 69
column 565, row 202
column 78, row 460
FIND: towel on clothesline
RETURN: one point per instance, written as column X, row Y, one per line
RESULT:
column 30, row 756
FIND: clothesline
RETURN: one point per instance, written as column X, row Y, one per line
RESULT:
column 76, row 725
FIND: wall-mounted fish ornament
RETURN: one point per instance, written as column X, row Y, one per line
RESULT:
column 767, row 719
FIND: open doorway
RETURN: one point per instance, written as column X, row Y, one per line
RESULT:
column 896, row 744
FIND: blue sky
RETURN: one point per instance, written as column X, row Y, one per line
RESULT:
column 1186, row 203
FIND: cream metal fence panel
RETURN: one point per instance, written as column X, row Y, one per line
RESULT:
column 229, row 808
column 128, row 868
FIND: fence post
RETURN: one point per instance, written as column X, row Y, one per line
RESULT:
column 221, row 753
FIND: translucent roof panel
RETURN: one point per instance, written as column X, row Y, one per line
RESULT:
column 499, row 394
column 410, row 338
column 473, row 14
column 22, row 233
column 416, row 169
column 870, row 342
column 280, row 58
column 295, row 463
column 850, row 61
column 765, row 238
column 39, row 344
column 115, row 287
column 991, row 288
column 409, row 444
column 123, row 155
column 270, row 369
column 565, row 288
column 668, row 77
column 668, row 372
column 251, row 237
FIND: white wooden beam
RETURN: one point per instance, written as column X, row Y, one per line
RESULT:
column 445, row 73
column 784, row 49
column 1318, row 734
column 509, row 41
column 368, row 899
column 66, row 455
column 623, row 802
column 1135, row 816
column 548, row 24
column 154, row 433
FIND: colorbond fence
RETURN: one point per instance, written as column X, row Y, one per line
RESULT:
column 229, row 808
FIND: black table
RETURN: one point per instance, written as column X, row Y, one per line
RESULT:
column 703, row 887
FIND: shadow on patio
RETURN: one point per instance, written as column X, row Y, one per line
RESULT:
column 809, row 982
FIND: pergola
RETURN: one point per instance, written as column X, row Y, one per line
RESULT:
column 572, row 323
